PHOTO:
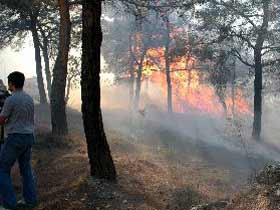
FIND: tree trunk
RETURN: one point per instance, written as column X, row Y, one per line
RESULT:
column 167, row 65
column 189, row 78
column 131, row 72
column 257, row 124
column 233, row 89
column 58, row 106
column 47, row 65
column 100, row 159
column 139, row 29
column 258, row 96
column 68, row 90
column 139, row 80
column 36, row 42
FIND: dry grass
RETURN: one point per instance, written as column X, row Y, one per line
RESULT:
column 257, row 198
column 149, row 177
column 145, row 179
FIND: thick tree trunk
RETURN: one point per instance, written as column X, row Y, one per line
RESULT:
column 167, row 66
column 100, row 159
column 36, row 42
column 257, row 124
column 58, row 106
column 258, row 83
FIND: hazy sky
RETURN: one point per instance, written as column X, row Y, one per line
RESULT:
column 23, row 60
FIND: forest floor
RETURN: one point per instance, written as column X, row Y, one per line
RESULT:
column 151, row 176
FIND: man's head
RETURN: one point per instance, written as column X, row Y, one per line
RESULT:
column 16, row 81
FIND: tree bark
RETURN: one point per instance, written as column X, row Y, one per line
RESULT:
column 45, row 51
column 257, row 124
column 68, row 90
column 36, row 42
column 233, row 88
column 131, row 71
column 258, row 82
column 167, row 65
column 139, row 80
column 143, row 47
column 100, row 159
column 58, row 106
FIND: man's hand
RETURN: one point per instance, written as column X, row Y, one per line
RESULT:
column 2, row 120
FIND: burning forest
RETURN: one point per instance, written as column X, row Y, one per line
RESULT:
column 191, row 89
column 187, row 82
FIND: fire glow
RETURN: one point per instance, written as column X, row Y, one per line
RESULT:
column 190, row 91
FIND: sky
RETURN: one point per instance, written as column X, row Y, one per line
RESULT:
column 23, row 60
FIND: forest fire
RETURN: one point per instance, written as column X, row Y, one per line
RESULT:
column 190, row 89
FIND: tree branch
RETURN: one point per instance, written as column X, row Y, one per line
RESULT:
column 238, row 12
column 239, row 56
column 240, row 35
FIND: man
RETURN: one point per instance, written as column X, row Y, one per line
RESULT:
column 18, row 118
column 3, row 95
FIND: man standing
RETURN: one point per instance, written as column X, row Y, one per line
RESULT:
column 3, row 95
column 18, row 117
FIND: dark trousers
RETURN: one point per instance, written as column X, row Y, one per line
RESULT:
column 17, row 147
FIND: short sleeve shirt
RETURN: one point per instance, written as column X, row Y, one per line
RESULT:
column 18, row 109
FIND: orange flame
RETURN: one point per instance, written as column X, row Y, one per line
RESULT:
column 189, row 93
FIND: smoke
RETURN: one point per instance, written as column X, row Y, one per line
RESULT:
column 193, row 136
column 194, row 126
column 21, row 58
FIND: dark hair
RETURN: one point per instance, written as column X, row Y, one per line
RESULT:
column 17, row 79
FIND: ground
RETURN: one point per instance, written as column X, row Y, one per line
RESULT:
column 154, row 176
column 64, row 181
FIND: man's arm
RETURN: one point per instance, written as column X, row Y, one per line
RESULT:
column 6, row 111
